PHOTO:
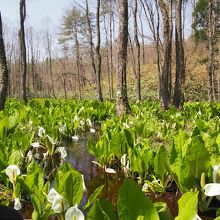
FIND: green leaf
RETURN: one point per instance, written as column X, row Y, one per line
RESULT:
column 101, row 210
column 160, row 165
column 187, row 170
column 107, row 209
column 187, row 206
column 70, row 186
column 163, row 211
column 133, row 204
column 35, row 176
column 15, row 157
column 93, row 197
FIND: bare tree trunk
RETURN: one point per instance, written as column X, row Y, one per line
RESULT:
column 166, row 68
column 212, row 26
column 50, row 62
column 91, row 45
column 111, row 52
column 122, row 99
column 107, row 59
column 98, row 55
column 3, row 70
column 78, row 62
column 180, row 66
column 132, row 56
column 153, row 20
column 23, row 48
column 137, row 66
column 142, row 40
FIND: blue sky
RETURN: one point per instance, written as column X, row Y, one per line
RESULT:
column 37, row 10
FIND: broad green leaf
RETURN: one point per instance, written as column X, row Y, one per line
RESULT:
column 132, row 203
column 107, row 209
column 187, row 170
column 163, row 211
column 101, row 210
column 187, row 206
column 160, row 164
column 70, row 186
column 93, row 197
column 61, row 172
column 35, row 176
column 15, row 157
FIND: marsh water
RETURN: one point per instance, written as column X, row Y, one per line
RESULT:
column 94, row 176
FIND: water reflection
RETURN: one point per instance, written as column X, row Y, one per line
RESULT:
column 94, row 176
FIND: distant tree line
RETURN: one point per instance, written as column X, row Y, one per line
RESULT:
column 100, row 41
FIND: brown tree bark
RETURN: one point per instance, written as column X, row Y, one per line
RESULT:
column 90, row 38
column 122, row 99
column 49, row 51
column 211, row 44
column 111, row 51
column 165, row 85
column 180, row 66
column 78, row 61
column 137, row 44
column 3, row 70
column 23, row 48
column 98, row 55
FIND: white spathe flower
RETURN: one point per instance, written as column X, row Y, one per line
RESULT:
column 83, row 184
column 74, row 213
column 62, row 129
column 12, row 171
column 59, row 203
column 216, row 173
column 52, row 141
column 145, row 187
column 126, row 125
column 76, row 118
column 212, row 189
column 92, row 130
column 51, row 195
column 41, row 131
column 17, row 204
column 89, row 122
column 109, row 170
column 37, row 156
column 197, row 218
column 75, row 137
column 124, row 160
column 45, row 155
column 35, row 144
column 63, row 152
column 30, row 123
column 30, row 155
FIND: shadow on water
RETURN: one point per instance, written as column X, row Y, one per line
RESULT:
column 94, row 176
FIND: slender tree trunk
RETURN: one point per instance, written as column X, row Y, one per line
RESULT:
column 132, row 56
column 211, row 70
column 142, row 40
column 166, row 75
column 98, row 55
column 78, row 63
column 23, row 48
column 170, row 11
column 180, row 66
column 3, row 70
column 107, row 59
column 137, row 44
column 111, row 52
column 50, row 63
column 90, row 37
column 122, row 99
